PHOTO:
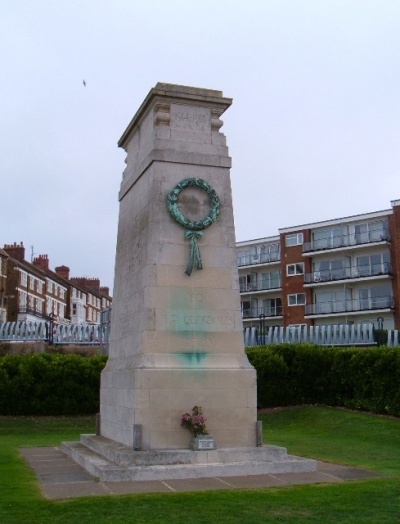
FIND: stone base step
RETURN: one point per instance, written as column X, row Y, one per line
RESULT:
column 179, row 464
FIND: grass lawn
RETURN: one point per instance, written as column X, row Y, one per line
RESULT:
column 334, row 435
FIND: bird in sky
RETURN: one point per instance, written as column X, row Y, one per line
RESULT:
column 84, row 83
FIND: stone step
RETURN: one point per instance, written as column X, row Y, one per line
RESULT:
column 124, row 456
column 108, row 471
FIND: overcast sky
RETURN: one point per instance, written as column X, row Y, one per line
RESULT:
column 313, row 131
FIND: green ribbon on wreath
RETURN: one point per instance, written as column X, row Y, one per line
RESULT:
column 193, row 227
column 194, row 256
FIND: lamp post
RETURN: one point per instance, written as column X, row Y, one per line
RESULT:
column 50, row 327
column 262, row 330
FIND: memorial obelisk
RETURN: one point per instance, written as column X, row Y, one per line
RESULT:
column 176, row 328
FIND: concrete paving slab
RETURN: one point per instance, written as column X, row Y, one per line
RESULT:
column 62, row 478
column 75, row 489
column 354, row 474
column 65, row 478
column 49, row 468
column 253, row 481
column 313, row 477
column 200, row 484
column 129, row 487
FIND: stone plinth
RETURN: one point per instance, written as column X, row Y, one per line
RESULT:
column 111, row 462
column 176, row 340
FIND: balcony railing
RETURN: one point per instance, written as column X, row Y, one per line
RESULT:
column 329, row 275
column 380, row 235
column 259, row 286
column 345, row 306
column 255, row 312
column 32, row 312
column 263, row 258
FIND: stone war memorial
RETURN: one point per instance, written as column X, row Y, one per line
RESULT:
column 176, row 328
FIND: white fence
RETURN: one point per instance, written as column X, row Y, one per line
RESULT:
column 334, row 335
column 57, row 334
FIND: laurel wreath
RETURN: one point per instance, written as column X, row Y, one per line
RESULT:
column 194, row 227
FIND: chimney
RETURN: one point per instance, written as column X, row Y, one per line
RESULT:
column 63, row 272
column 16, row 251
column 105, row 291
column 92, row 284
column 42, row 262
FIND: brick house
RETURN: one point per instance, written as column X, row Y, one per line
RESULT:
column 35, row 291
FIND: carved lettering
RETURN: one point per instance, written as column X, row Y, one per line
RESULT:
column 193, row 118
column 197, row 119
column 196, row 297
column 208, row 320
column 200, row 321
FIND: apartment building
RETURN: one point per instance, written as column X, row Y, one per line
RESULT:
column 340, row 271
column 34, row 292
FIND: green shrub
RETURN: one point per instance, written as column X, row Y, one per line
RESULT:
column 50, row 384
column 356, row 378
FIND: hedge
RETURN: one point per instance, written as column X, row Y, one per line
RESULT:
column 287, row 374
column 356, row 378
column 50, row 384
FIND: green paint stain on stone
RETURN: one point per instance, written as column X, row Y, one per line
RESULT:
column 192, row 359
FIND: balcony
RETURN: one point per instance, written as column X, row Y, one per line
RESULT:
column 253, row 260
column 347, row 306
column 343, row 241
column 354, row 272
column 255, row 312
column 27, row 311
column 247, row 287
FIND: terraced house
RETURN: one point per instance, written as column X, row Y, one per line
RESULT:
column 32, row 292
column 340, row 271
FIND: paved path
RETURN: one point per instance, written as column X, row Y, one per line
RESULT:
column 60, row 478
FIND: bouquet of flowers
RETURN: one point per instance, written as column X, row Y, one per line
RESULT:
column 195, row 422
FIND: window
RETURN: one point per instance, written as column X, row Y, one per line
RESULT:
column 371, row 232
column 295, row 269
column 50, row 286
column 22, row 299
column 250, row 308
column 299, row 299
column 369, row 265
column 270, row 253
column 294, row 240
column 333, row 269
column 272, row 307
column 24, row 278
column 248, row 256
column 335, row 301
column 330, row 238
column 376, row 297
column 31, row 282
column 248, row 282
column 271, row 280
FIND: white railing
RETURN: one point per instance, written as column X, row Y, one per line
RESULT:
column 331, row 335
column 80, row 334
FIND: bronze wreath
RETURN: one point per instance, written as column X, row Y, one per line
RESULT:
column 193, row 227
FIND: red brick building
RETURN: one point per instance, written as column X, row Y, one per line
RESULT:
column 34, row 292
column 340, row 271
